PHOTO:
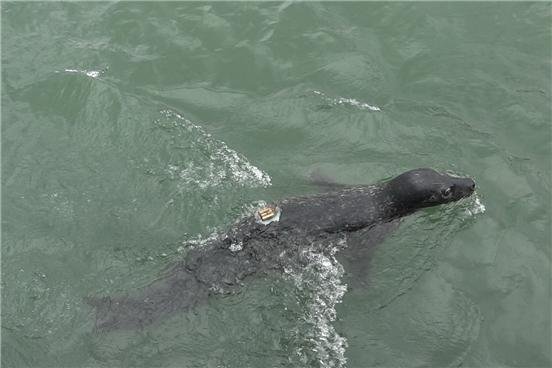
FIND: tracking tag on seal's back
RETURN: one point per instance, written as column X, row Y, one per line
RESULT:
column 268, row 214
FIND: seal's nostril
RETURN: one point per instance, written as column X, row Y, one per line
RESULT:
column 472, row 186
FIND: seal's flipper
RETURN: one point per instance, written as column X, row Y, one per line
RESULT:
column 356, row 257
column 324, row 181
column 211, row 269
column 177, row 291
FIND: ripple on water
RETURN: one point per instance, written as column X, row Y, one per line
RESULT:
column 211, row 162
column 346, row 102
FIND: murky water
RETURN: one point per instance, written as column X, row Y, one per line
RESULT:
column 132, row 131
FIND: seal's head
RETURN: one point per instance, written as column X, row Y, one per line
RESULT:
column 421, row 188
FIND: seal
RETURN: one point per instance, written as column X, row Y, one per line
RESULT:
column 272, row 238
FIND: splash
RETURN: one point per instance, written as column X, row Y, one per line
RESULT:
column 475, row 207
column 223, row 165
column 197, row 241
column 320, row 286
column 347, row 101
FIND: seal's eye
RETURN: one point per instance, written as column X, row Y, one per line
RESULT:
column 447, row 193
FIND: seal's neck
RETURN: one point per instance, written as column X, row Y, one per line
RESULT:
column 363, row 207
column 392, row 205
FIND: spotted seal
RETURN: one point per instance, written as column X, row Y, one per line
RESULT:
column 271, row 240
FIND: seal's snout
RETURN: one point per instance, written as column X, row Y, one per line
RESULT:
column 466, row 186
column 469, row 184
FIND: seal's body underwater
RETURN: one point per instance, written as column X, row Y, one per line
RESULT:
column 253, row 246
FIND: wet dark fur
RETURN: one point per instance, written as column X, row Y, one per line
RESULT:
column 216, row 268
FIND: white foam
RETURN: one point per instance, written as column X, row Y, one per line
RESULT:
column 347, row 101
column 88, row 73
column 197, row 241
column 321, row 279
column 235, row 247
column 476, row 206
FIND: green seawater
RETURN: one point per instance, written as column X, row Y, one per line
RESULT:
column 132, row 130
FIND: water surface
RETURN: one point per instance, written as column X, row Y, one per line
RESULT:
column 132, row 130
